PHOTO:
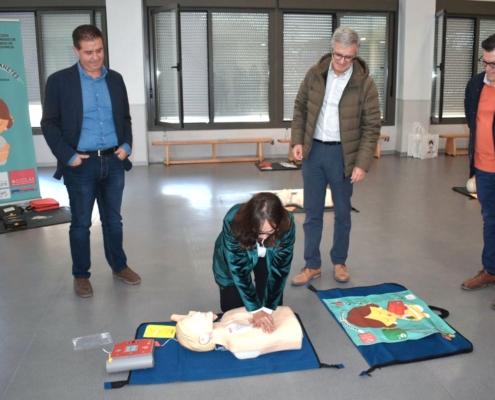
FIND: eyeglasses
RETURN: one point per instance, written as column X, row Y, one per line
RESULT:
column 486, row 64
column 267, row 233
column 339, row 57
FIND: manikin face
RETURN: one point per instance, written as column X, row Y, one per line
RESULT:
column 489, row 57
column 200, row 323
column 91, row 56
column 346, row 55
column 380, row 314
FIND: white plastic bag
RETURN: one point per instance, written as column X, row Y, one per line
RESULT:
column 414, row 140
column 422, row 144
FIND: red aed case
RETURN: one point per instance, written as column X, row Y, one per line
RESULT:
column 43, row 204
column 131, row 355
column 133, row 348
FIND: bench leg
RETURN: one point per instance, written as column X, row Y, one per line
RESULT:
column 291, row 156
column 377, row 150
column 214, row 151
column 167, row 156
column 260, row 151
column 450, row 148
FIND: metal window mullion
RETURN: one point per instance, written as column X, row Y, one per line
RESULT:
column 211, row 94
column 442, row 67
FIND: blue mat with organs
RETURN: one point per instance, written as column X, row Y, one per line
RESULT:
column 391, row 325
column 174, row 363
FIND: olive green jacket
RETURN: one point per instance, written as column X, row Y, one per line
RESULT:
column 232, row 265
column 359, row 113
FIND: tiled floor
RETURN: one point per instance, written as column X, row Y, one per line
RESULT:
column 412, row 229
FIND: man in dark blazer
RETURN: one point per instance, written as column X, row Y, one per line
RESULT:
column 87, row 125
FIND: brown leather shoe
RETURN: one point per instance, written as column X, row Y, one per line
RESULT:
column 483, row 279
column 305, row 276
column 341, row 274
column 82, row 287
column 128, row 276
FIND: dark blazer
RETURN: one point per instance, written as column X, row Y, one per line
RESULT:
column 232, row 265
column 63, row 114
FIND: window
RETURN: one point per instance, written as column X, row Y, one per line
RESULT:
column 306, row 38
column 232, row 68
column 372, row 30
column 240, row 67
column 53, row 30
column 457, row 48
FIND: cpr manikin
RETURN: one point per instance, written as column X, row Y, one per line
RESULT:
column 197, row 332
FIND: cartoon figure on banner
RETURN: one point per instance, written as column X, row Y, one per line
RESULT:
column 374, row 316
column 6, row 121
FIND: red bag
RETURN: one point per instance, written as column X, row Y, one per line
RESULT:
column 43, row 204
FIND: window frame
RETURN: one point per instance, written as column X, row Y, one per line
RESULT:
column 475, row 10
column 275, row 55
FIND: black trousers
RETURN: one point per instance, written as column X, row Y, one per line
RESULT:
column 230, row 297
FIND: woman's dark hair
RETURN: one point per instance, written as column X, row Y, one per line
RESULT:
column 252, row 215
column 87, row 33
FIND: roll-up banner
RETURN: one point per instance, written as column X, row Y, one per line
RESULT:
column 18, row 173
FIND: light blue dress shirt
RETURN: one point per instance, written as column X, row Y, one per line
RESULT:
column 98, row 127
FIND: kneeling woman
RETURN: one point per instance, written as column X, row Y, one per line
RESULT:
column 257, row 236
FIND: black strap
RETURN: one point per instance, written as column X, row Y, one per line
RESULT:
column 442, row 312
column 311, row 287
column 338, row 366
column 116, row 385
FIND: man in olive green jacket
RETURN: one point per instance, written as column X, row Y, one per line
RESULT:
column 335, row 128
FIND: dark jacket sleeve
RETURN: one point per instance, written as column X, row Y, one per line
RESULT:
column 370, row 125
column 279, row 260
column 59, row 122
column 300, row 115
column 120, row 107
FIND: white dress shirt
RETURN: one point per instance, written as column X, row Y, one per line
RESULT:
column 328, row 125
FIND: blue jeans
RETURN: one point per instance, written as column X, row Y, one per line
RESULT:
column 485, row 186
column 101, row 179
column 325, row 166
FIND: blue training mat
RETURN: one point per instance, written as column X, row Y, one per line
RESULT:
column 380, row 355
column 174, row 363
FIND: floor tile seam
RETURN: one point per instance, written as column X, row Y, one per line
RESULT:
column 439, row 381
column 30, row 342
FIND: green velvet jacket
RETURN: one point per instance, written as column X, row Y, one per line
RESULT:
column 232, row 265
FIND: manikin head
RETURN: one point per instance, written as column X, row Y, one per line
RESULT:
column 194, row 331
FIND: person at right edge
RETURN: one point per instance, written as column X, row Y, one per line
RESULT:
column 479, row 106
column 335, row 129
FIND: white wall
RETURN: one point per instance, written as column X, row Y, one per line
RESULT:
column 126, row 41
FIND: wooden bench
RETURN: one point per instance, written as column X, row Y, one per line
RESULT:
column 386, row 138
column 450, row 145
column 213, row 143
